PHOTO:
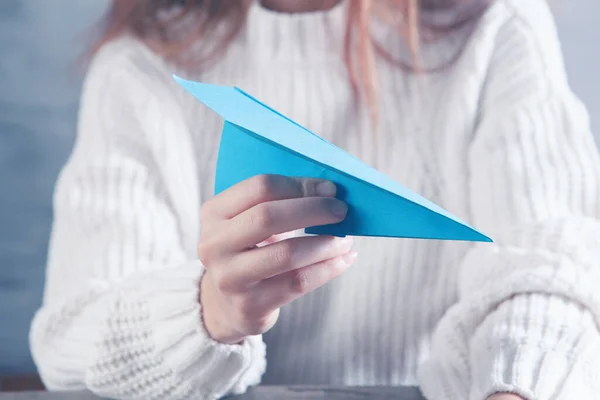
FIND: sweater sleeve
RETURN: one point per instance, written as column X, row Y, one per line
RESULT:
column 121, row 314
column 527, row 318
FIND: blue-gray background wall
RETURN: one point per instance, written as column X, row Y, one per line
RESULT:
column 39, row 88
column 40, row 41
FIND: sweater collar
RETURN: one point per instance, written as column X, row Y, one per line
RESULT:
column 299, row 37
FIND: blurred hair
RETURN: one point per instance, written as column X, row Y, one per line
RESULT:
column 171, row 27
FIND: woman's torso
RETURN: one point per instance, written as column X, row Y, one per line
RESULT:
column 373, row 324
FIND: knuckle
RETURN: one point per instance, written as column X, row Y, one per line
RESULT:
column 282, row 253
column 205, row 252
column 265, row 185
column 299, row 186
column 262, row 217
column 300, row 281
column 306, row 187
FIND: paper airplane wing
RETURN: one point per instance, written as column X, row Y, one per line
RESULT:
column 259, row 140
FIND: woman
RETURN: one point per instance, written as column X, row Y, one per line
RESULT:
column 480, row 119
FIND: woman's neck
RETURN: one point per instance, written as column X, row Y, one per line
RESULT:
column 298, row 6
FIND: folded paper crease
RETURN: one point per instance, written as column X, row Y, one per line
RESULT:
column 257, row 139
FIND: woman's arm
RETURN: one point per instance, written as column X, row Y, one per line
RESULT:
column 121, row 313
column 527, row 318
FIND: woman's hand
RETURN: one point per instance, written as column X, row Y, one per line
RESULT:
column 249, row 274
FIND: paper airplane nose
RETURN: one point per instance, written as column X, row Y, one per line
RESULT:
column 256, row 140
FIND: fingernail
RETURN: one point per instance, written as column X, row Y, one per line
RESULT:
column 338, row 208
column 350, row 257
column 326, row 189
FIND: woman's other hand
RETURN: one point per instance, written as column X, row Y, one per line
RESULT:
column 249, row 276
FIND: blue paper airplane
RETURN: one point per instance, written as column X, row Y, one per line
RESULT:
column 256, row 140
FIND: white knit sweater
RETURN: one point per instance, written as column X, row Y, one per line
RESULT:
column 498, row 139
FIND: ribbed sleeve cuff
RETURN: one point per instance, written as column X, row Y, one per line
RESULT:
column 180, row 338
column 537, row 346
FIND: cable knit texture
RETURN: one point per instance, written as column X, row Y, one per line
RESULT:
column 497, row 138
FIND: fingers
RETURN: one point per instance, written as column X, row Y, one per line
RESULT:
column 282, row 289
column 264, row 220
column 261, row 189
column 265, row 262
